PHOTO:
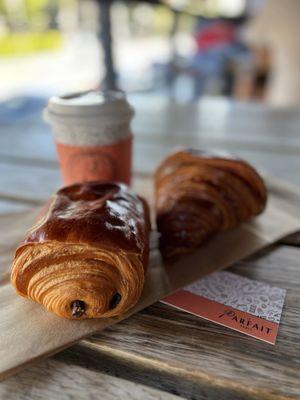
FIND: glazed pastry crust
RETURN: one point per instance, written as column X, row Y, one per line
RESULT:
column 91, row 246
column 199, row 194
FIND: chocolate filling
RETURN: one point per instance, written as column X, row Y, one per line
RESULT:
column 115, row 300
column 77, row 308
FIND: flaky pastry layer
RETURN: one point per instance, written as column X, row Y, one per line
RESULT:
column 199, row 194
column 87, row 255
column 56, row 275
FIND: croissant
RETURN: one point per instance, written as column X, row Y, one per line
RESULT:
column 199, row 194
column 87, row 256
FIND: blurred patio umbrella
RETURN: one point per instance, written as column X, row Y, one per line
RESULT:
column 110, row 78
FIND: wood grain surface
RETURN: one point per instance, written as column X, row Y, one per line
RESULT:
column 160, row 347
column 202, row 360
column 64, row 380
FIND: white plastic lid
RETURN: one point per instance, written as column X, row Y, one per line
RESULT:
column 91, row 103
column 89, row 118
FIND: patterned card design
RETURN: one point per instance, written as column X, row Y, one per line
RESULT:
column 248, row 306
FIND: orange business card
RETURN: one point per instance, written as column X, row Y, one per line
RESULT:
column 245, row 305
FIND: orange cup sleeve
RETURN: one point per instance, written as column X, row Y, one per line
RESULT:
column 111, row 162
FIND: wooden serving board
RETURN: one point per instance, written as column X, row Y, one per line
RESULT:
column 29, row 333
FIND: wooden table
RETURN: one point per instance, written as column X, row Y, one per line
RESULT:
column 162, row 353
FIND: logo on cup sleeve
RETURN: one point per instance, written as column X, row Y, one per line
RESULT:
column 90, row 166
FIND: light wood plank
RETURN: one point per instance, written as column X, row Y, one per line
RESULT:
column 28, row 183
column 245, row 129
column 7, row 206
column 34, row 184
column 284, row 166
column 216, row 118
column 38, row 142
column 64, row 380
column 268, row 138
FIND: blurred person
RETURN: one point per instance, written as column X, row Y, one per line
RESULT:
column 218, row 48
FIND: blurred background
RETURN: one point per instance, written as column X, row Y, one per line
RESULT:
column 221, row 75
column 182, row 49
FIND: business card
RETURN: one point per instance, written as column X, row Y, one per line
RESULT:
column 242, row 304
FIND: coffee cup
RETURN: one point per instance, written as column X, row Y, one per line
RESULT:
column 92, row 135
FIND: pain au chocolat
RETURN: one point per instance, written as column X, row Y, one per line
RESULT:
column 199, row 194
column 87, row 256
